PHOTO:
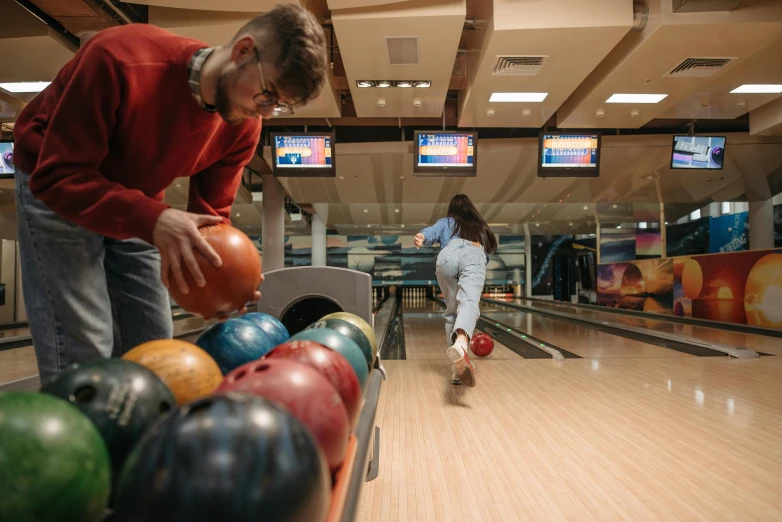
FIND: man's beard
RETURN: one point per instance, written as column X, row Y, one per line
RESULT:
column 222, row 103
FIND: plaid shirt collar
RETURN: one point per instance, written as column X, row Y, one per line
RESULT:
column 194, row 76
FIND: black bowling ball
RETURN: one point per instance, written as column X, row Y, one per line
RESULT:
column 122, row 398
column 225, row 458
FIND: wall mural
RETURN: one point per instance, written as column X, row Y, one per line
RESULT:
column 395, row 260
column 738, row 287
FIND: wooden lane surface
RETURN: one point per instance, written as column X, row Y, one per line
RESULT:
column 577, row 338
column 653, row 438
column 421, row 343
column 19, row 363
column 761, row 343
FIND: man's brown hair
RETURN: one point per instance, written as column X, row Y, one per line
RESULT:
column 297, row 38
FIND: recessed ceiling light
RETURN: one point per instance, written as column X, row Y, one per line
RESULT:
column 342, row 177
column 423, row 84
column 396, row 211
column 619, row 226
column 636, row 98
column 666, row 222
column 586, row 208
column 178, row 185
column 383, row 83
column 366, row 210
column 369, row 226
column 24, row 86
column 238, row 215
column 516, row 97
column 758, row 88
column 615, row 206
column 402, row 226
column 403, row 83
column 365, row 83
column 537, row 224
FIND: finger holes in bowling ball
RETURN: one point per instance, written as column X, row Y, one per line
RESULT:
column 240, row 375
column 261, row 368
column 84, row 394
column 164, row 407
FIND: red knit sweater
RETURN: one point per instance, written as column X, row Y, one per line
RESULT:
column 118, row 125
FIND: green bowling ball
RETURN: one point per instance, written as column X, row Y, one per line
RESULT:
column 351, row 332
column 53, row 462
column 340, row 344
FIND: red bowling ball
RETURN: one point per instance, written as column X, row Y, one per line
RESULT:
column 482, row 345
column 307, row 394
column 328, row 363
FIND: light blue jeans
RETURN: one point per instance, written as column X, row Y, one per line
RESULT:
column 461, row 272
column 87, row 296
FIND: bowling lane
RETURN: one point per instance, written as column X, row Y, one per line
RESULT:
column 626, row 439
column 577, row 338
column 760, row 343
column 425, row 334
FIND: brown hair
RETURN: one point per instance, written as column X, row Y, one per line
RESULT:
column 469, row 225
column 297, row 39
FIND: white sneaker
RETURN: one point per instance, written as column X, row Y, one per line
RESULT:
column 461, row 361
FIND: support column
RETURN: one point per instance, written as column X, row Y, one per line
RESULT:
column 319, row 234
column 273, row 233
column 663, row 231
column 527, row 261
column 761, row 224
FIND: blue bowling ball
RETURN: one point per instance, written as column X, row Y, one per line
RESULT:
column 235, row 342
column 271, row 325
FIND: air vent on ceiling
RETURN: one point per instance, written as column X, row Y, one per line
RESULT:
column 402, row 50
column 518, row 65
column 699, row 67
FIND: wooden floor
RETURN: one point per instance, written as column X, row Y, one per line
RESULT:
column 614, row 438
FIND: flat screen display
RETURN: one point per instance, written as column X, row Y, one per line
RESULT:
column 569, row 151
column 303, row 151
column 445, row 153
column 7, row 158
column 698, row 152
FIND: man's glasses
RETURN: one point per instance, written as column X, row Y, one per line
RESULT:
column 268, row 98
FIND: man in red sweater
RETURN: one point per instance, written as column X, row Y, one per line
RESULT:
column 136, row 108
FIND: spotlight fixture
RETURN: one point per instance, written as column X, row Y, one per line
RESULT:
column 384, row 84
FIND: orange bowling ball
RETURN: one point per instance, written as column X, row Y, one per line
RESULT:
column 187, row 370
column 229, row 287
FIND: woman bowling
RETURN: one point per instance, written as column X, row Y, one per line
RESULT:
column 465, row 242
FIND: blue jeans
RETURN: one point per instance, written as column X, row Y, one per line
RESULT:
column 87, row 296
column 461, row 272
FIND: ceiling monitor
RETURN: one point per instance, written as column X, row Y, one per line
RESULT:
column 698, row 152
column 569, row 154
column 445, row 153
column 7, row 168
column 303, row 154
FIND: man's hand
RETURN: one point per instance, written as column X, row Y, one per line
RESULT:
column 419, row 240
column 176, row 236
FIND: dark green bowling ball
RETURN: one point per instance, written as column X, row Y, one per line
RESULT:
column 53, row 462
column 122, row 398
column 351, row 332
column 340, row 344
